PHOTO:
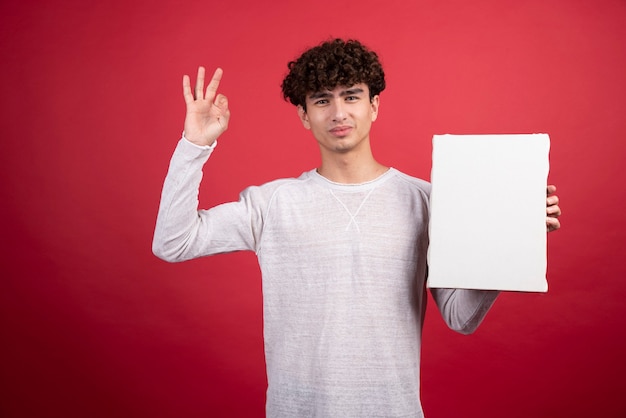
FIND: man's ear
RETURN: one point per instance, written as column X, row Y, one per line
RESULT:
column 304, row 118
column 375, row 103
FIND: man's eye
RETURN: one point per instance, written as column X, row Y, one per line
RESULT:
column 321, row 102
column 352, row 98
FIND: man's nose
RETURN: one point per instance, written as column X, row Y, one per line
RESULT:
column 339, row 110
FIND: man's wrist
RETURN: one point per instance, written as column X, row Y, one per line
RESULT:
column 209, row 147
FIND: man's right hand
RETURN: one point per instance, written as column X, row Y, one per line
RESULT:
column 207, row 112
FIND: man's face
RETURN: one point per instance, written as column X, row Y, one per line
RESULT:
column 340, row 119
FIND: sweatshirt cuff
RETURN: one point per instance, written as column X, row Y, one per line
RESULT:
column 189, row 151
column 204, row 147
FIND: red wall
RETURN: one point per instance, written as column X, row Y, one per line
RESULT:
column 93, row 325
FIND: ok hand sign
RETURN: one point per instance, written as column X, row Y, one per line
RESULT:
column 207, row 112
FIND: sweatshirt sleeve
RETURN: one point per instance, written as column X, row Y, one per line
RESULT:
column 464, row 309
column 182, row 231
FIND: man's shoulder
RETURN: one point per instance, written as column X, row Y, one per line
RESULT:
column 278, row 182
column 272, row 186
column 418, row 184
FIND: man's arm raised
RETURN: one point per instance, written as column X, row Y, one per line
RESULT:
column 181, row 229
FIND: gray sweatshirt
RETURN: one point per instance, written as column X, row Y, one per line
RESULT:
column 343, row 278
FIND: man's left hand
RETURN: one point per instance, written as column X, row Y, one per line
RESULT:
column 553, row 211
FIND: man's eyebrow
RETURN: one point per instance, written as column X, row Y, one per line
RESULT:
column 350, row 92
column 327, row 94
column 320, row 95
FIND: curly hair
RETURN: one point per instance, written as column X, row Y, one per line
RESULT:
column 329, row 65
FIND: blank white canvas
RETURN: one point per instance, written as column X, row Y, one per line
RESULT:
column 487, row 212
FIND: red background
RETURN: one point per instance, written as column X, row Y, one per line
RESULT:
column 93, row 325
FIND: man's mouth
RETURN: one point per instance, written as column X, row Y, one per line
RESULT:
column 341, row 130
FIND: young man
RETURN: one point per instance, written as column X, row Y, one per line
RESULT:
column 342, row 248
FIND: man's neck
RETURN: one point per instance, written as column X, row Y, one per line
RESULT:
column 351, row 169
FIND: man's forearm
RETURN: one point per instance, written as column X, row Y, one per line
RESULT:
column 177, row 219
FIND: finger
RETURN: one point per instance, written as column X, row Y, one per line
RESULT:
column 221, row 102
column 187, row 95
column 200, row 83
column 211, row 89
column 550, row 189
column 552, row 224
column 552, row 200
column 553, row 211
